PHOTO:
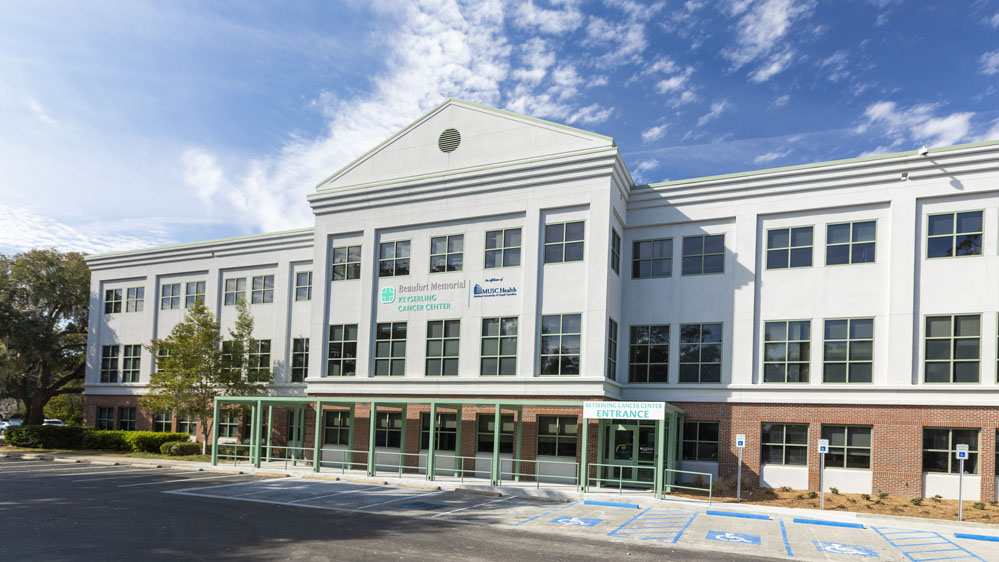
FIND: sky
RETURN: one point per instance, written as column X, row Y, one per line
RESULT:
column 129, row 124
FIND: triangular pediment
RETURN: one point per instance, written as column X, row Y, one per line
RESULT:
column 483, row 136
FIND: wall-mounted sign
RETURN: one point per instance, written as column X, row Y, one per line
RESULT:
column 624, row 410
column 493, row 287
column 419, row 297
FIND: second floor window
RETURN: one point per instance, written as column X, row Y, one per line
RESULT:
column 789, row 247
column 615, row 252
column 560, row 344
column 235, row 291
column 611, row 349
column 648, row 354
column 299, row 359
column 652, row 258
column 263, row 289
column 564, row 242
column 954, row 234
column 700, row 352
column 260, row 356
column 303, row 286
column 390, row 349
column 850, row 242
column 109, row 363
column 112, row 301
column 786, row 351
column 130, row 363
column 443, row 337
column 346, row 263
column 446, row 253
column 341, row 358
column 499, row 346
column 194, row 293
column 703, row 255
column 952, row 348
column 393, row 259
column 134, row 298
column 170, row 296
column 848, row 350
column 502, row 248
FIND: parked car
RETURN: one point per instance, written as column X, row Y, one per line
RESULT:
column 10, row 423
column 53, row 422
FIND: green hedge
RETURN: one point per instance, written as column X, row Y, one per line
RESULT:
column 137, row 441
column 180, row 448
column 45, row 436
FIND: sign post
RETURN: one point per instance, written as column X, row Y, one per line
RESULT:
column 823, row 449
column 740, row 443
column 962, row 454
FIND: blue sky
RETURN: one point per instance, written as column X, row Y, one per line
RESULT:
column 130, row 124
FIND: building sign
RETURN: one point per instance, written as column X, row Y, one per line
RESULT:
column 624, row 410
column 493, row 287
column 419, row 297
column 388, row 295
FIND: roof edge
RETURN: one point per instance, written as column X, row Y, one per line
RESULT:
column 217, row 241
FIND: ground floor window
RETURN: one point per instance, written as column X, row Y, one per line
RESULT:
column 557, row 436
column 388, row 429
column 336, row 427
column 105, row 418
column 187, row 424
column 486, row 424
column 784, row 443
column 700, row 441
column 126, row 419
column 163, row 423
column 446, row 431
column 228, row 425
column 940, row 450
column 849, row 446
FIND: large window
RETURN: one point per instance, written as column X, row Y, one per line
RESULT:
column 228, row 425
column 234, row 291
column 134, row 299
column 109, row 363
column 126, row 419
column 163, row 423
column 700, row 352
column 486, row 424
column 341, row 358
column 503, row 248
column 446, row 253
column 499, row 346
column 194, row 293
column 954, row 234
column 703, row 254
column 170, row 296
column 336, row 427
column 850, row 242
column 299, row 359
column 105, row 418
column 388, row 429
column 557, row 436
column 789, row 247
column 262, row 290
column 786, row 351
column 849, row 446
column 615, row 254
column 952, row 348
column 390, row 349
column 652, row 258
column 700, row 441
column 131, row 363
column 611, row 349
column 648, row 354
column 560, row 344
column 564, row 242
column 443, row 337
column 784, row 443
column 393, row 258
column 260, row 356
column 848, row 350
column 347, row 262
column 187, row 424
column 112, row 301
column 940, row 450
column 303, row 286
column 445, row 431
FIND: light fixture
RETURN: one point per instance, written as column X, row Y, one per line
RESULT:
column 924, row 150
column 905, row 176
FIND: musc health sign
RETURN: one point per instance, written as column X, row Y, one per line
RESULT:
column 624, row 410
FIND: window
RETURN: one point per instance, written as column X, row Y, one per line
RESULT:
column 388, row 429
column 228, row 425
column 611, row 349
column 194, row 294
column 784, row 443
column 446, row 253
column 336, row 427
column 109, row 363
column 393, row 259
column 560, row 344
column 341, row 358
column 105, row 418
column 299, row 359
column 789, row 247
column 648, row 354
column 170, row 296
column 442, row 347
column 615, row 251
column 134, row 297
column 163, row 423
column 486, row 426
column 700, row 441
column 263, row 289
column 703, row 255
column 503, row 248
column 499, row 346
column 700, row 352
column 112, row 301
column 260, row 357
column 952, row 348
column 849, row 446
column 850, row 242
column 564, row 242
column 652, row 258
column 126, row 419
column 390, row 349
column 130, row 363
column 161, row 353
column 557, row 436
column 187, row 424
column 445, row 431
column 293, row 427
column 940, row 450
column 303, row 286
column 786, row 351
column 954, row 234
column 235, row 291
column 346, row 263
column 848, row 353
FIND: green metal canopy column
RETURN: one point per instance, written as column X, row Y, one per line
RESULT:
column 520, row 440
column 671, row 450
column 660, row 445
column 258, row 418
column 215, row 432
column 494, row 477
column 583, row 482
column 316, row 450
column 431, row 459
column 270, row 430
column 372, row 418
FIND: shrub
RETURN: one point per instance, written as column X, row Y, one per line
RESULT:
column 835, row 491
column 785, row 488
column 993, row 502
column 813, row 495
column 916, row 501
column 150, row 441
column 184, row 448
column 978, row 505
column 882, row 495
column 165, row 448
column 866, row 496
column 106, row 439
column 937, row 498
column 45, row 436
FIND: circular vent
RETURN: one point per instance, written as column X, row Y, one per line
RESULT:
column 449, row 140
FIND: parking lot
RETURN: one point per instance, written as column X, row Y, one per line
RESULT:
column 370, row 511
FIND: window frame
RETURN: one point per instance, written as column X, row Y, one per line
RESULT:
column 163, row 423
column 560, row 437
column 648, row 346
column 955, row 234
column 447, row 254
column 700, row 344
column 299, row 360
column 195, row 297
column 187, row 424
column 612, row 339
column 559, row 355
column 113, row 300
column 264, row 293
column 974, row 450
column 445, row 360
column 784, row 444
column 392, row 358
column 395, row 259
column 786, row 362
column 110, row 372
column 702, row 255
column 637, row 260
column 848, row 341
column 696, row 442
column 170, row 296
column 131, row 364
column 236, row 290
column 503, row 248
column 342, row 344
column 441, row 428
column 851, row 242
column 846, row 447
column 135, row 299
column 126, row 423
column 615, row 251
column 790, row 247
column 952, row 338
column 563, row 242
column 392, row 427
column 349, row 268
column 259, row 357
column 342, row 429
column 105, row 418
column 484, row 435
column 228, row 425
column 299, row 287
column 499, row 338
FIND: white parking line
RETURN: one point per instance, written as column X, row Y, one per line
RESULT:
column 24, row 464
column 472, row 506
column 34, row 470
column 331, row 495
column 425, row 494
column 182, row 480
column 157, row 473
column 248, row 482
column 97, row 469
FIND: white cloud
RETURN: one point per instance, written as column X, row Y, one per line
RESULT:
column 642, row 167
column 624, row 40
column 201, row 171
column 992, row 21
column 716, row 110
column 21, row 230
column 770, row 157
column 591, row 114
column 654, row 133
column 990, row 62
column 835, row 66
column 917, row 124
column 555, row 21
column 773, row 66
column 42, row 115
column 762, row 31
column 991, row 134
column 782, row 100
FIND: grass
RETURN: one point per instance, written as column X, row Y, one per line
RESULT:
column 105, row 453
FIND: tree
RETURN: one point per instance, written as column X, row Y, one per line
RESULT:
column 194, row 365
column 44, row 300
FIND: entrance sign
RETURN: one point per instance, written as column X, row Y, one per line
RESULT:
column 624, row 410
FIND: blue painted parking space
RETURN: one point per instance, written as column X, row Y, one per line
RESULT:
column 577, row 521
column 847, row 549
column 924, row 546
column 728, row 536
column 656, row 525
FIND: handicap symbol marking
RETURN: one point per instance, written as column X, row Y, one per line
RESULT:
column 741, row 538
column 850, row 549
column 576, row 521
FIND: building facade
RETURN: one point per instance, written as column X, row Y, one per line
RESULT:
column 479, row 254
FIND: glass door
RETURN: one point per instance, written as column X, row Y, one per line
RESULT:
column 631, row 449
